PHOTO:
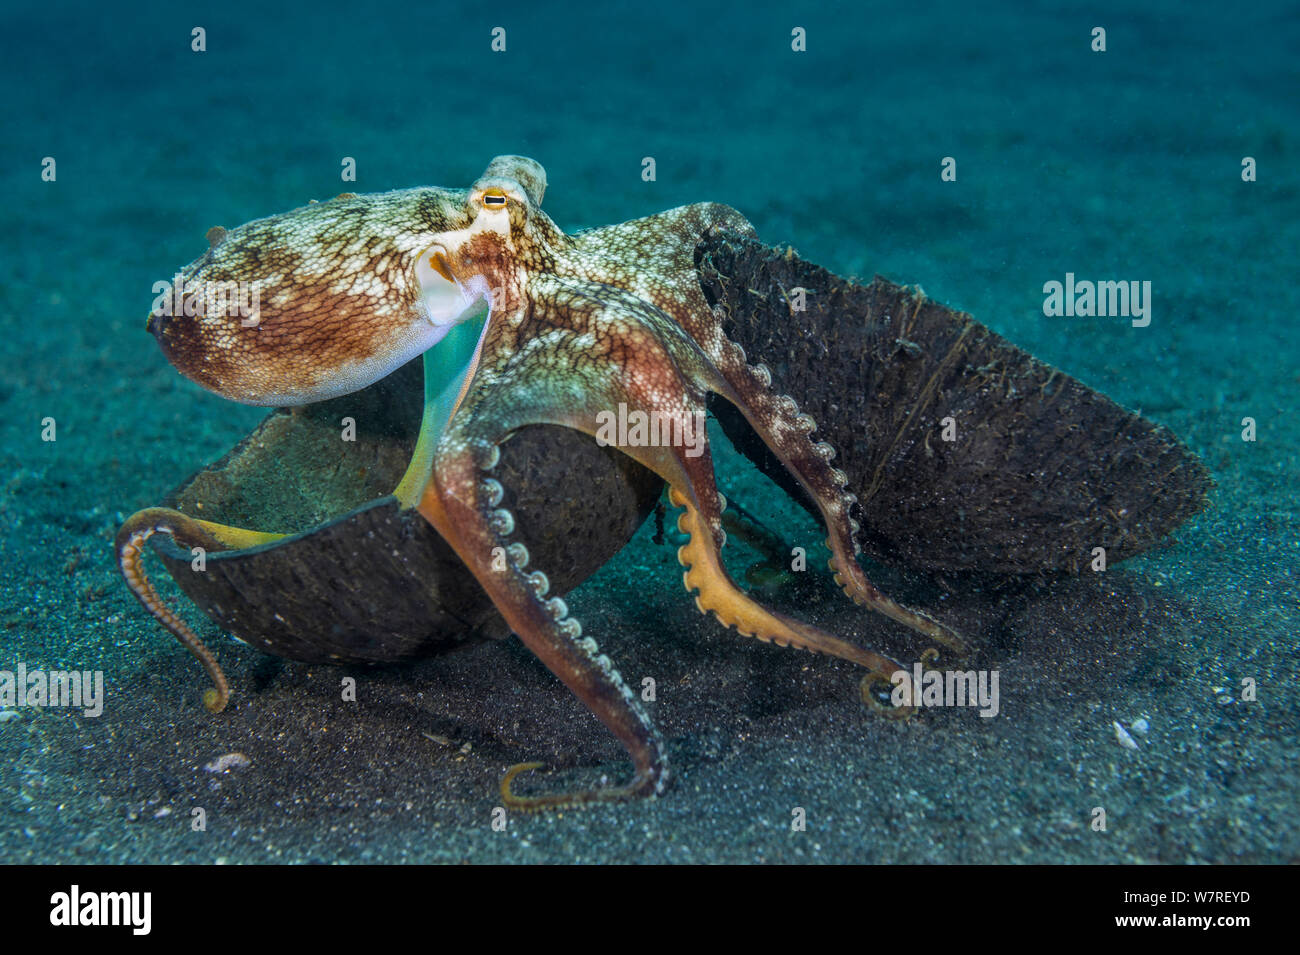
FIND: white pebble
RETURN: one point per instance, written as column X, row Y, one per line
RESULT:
column 1125, row 740
column 224, row 764
column 1140, row 726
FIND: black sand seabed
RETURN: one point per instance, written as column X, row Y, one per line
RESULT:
column 1117, row 165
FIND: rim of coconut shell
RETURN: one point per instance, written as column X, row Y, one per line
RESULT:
column 359, row 580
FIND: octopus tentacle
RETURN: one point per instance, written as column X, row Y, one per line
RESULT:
column 776, row 418
column 189, row 532
column 719, row 595
column 662, row 372
column 575, row 325
column 789, row 434
column 461, row 503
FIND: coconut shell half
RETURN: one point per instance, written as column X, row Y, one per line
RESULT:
column 1043, row 469
column 378, row 584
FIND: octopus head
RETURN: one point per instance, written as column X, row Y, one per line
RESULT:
column 320, row 301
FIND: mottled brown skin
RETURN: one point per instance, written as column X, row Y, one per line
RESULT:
column 337, row 289
column 578, row 325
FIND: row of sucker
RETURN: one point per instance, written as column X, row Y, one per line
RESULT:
column 502, row 523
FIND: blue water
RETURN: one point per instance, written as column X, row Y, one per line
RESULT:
column 1123, row 164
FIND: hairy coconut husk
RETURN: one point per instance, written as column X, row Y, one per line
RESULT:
column 1043, row 469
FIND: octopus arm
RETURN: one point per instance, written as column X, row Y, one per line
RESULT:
column 609, row 354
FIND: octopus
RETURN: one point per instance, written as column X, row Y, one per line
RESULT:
column 519, row 323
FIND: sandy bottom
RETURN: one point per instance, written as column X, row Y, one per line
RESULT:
column 1123, row 165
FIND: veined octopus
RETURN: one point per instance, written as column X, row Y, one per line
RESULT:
column 519, row 323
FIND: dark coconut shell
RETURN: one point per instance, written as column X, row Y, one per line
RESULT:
column 1044, row 469
column 377, row 584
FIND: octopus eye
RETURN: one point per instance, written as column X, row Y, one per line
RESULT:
column 494, row 199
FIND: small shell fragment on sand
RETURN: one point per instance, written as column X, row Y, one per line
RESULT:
column 1124, row 738
column 224, row 764
column 1140, row 726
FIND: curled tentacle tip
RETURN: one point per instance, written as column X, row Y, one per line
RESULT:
column 509, row 777
column 214, row 701
column 937, row 658
column 870, row 689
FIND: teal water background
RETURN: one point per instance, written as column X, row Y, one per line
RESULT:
column 1117, row 165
